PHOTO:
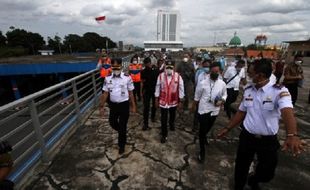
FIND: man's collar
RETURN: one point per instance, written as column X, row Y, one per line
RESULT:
column 265, row 87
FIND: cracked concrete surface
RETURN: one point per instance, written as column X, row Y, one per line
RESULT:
column 90, row 160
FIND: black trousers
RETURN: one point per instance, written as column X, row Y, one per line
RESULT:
column 293, row 89
column 164, row 119
column 266, row 150
column 206, row 123
column 119, row 114
column 6, row 185
column 232, row 96
column 137, row 90
column 147, row 97
column 196, row 119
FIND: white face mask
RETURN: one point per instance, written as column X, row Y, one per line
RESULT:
column 250, row 81
column 185, row 59
column 298, row 62
column 116, row 72
column 169, row 71
column 135, row 62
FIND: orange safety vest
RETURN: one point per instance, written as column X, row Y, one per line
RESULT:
column 169, row 92
column 105, row 67
column 135, row 72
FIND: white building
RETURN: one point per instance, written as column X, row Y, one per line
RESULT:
column 168, row 25
column 168, row 32
column 46, row 52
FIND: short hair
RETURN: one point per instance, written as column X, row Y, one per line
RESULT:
column 263, row 66
column 298, row 55
column 207, row 61
column 134, row 57
column 147, row 60
column 117, row 61
column 241, row 61
column 215, row 64
column 198, row 59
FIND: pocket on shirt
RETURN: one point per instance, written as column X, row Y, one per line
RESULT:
column 269, row 106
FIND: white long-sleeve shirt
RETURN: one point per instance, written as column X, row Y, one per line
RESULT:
column 207, row 92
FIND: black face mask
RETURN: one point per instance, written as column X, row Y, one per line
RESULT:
column 214, row 76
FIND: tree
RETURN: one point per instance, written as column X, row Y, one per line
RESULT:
column 96, row 41
column 35, row 42
column 2, row 40
column 55, row 44
column 75, row 43
column 17, row 38
column 21, row 38
column 252, row 47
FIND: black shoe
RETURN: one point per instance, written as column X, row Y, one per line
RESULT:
column 163, row 139
column 145, row 127
column 172, row 129
column 153, row 120
column 121, row 150
column 201, row 158
column 253, row 184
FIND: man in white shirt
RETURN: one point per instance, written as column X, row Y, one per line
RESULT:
column 233, row 76
column 260, row 110
column 169, row 94
column 118, row 87
column 210, row 94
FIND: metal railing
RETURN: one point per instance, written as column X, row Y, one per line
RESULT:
column 34, row 124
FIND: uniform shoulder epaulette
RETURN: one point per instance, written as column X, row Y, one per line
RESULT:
column 278, row 86
column 248, row 87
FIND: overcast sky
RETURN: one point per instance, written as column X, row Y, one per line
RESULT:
column 134, row 21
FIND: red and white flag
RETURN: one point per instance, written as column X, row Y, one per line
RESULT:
column 100, row 19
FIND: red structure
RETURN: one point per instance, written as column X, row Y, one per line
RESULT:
column 261, row 39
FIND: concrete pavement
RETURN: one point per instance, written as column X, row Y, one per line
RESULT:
column 90, row 160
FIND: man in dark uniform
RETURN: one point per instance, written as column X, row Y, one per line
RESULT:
column 118, row 87
column 148, row 82
column 260, row 110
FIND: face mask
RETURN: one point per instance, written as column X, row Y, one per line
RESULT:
column 214, row 76
column 185, row 59
column 135, row 62
column 116, row 72
column 205, row 69
column 250, row 81
column 298, row 62
column 169, row 71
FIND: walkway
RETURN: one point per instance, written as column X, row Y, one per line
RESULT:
column 90, row 160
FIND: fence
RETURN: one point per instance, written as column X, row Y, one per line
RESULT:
column 34, row 124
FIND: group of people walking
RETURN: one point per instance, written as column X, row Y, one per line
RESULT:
column 204, row 87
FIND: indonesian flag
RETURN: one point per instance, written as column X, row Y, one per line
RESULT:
column 99, row 19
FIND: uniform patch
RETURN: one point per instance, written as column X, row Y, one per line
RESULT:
column 278, row 86
column 283, row 94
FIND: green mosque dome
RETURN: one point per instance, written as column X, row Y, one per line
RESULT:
column 235, row 41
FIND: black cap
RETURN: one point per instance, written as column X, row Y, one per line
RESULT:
column 169, row 62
